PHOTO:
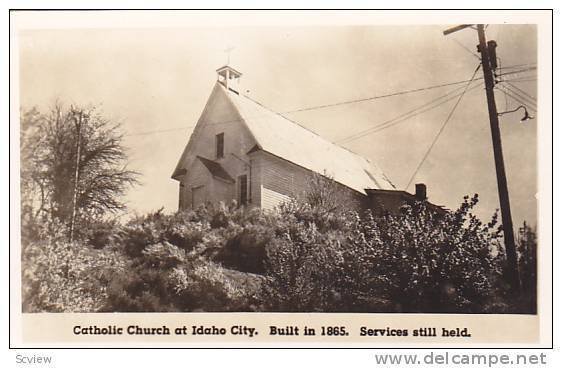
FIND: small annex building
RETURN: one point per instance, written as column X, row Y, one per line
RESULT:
column 240, row 150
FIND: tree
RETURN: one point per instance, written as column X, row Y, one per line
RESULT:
column 417, row 260
column 527, row 251
column 57, row 184
column 430, row 262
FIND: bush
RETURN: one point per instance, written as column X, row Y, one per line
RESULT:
column 302, row 269
column 100, row 234
column 306, row 256
column 527, row 250
column 62, row 277
column 167, row 278
column 415, row 261
column 183, row 229
column 425, row 262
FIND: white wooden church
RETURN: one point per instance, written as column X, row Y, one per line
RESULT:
column 240, row 150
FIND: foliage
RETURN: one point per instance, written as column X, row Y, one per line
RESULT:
column 418, row 260
column 306, row 256
column 59, row 276
column 427, row 262
column 527, row 250
column 167, row 278
column 49, row 152
column 302, row 270
column 182, row 229
column 179, row 260
column 231, row 235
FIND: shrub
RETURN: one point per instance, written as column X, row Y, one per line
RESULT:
column 62, row 277
column 102, row 233
column 527, row 250
column 425, row 262
column 184, row 229
column 207, row 286
column 302, row 270
column 306, row 256
column 167, row 278
column 415, row 261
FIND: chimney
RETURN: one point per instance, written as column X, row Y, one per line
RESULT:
column 229, row 77
column 421, row 192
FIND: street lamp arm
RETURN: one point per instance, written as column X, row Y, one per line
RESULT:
column 514, row 110
column 525, row 117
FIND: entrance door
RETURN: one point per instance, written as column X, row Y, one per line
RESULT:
column 243, row 189
column 197, row 196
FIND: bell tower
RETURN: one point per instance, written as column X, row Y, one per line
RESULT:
column 229, row 77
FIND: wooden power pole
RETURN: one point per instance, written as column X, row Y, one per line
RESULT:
column 507, row 223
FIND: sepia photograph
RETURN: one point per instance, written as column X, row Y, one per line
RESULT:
column 211, row 166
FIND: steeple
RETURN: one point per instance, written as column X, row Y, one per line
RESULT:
column 226, row 75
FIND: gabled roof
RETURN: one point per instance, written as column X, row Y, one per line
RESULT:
column 284, row 138
column 216, row 169
column 290, row 141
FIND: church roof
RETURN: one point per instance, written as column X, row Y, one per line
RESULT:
column 288, row 140
column 292, row 142
column 216, row 169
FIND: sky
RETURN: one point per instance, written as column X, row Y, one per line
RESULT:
column 155, row 82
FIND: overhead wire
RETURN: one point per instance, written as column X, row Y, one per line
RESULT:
column 158, row 131
column 420, row 112
column 518, row 80
column 426, row 155
column 520, row 66
column 527, row 100
column 311, row 108
column 521, row 91
column 374, row 97
column 517, row 71
column 501, row 89
column 308, row 108
column 415, row 111
column 405, row 116
column 465, row 48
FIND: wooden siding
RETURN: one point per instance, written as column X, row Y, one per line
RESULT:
column 277, row 180
column 271, row 179
column 198, row 177
column 219, row 117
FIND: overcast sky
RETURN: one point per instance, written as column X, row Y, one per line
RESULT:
column 152, row 80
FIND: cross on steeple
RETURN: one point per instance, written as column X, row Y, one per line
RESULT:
column 228, row 50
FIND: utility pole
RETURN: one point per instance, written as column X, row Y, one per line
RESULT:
column 507, row 223
column 78, row 124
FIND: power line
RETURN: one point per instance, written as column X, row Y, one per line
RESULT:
column 527, row 100
column 517, row 71
column 521, row 91
column 500, row 88
column 157, row 131
column 307, row 108
column 517, row 99
column 519, row 66
column 466, row 48
column 317, row 107
column 518, row 80
column 441, row 129
column 374, row 97
column 401, row 118
column 430, row 108
column 405, row 116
